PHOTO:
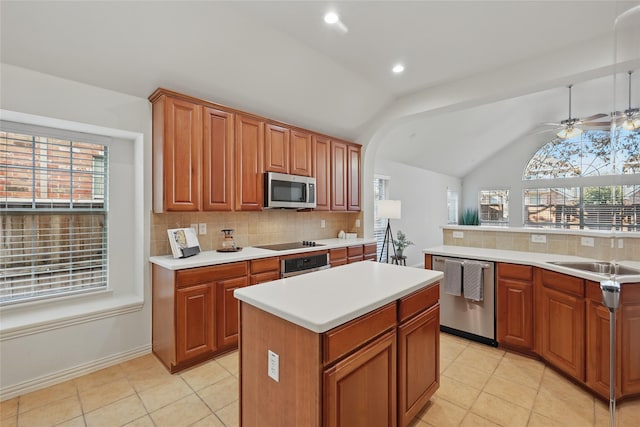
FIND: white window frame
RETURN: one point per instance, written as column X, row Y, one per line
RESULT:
column 501, row 222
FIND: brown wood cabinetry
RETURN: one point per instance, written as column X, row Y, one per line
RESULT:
column 300, row 155
column 195, row 314
column 370, row 252
column 264, row 270
column 372, row 368
column 515, row 305
column 177, row 153
column 353, row 177
column 276, row 148
column 217, row 160
column 339, row 174
column 249, row 146
column 630, row 332
column 321, row 162
column 354, row 254
column 337, row 257
column 562, row 322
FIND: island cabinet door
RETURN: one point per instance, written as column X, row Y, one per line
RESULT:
column 631, row 343
column 360, row 390
column 418, row 363
column 195, row 331
column 227, row 311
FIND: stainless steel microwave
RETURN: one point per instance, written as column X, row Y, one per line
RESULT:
column 289, row 191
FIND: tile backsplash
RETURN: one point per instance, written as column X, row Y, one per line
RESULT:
column 556, row 242
column 253, row 228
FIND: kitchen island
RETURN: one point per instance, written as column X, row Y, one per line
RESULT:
column 356, row 345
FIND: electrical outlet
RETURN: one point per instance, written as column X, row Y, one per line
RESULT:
column 202, row 228
column 538, row 238
column 322, row 223
column 194, row 227
column 587, row 241
column 357, row 223
column 458, row 234
column 620, row 243
column 274, row 366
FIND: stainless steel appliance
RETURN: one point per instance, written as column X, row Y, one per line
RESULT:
column 289, row 191
column 303, row 263
column 470, row 319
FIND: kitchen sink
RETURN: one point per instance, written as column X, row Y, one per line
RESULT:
column 599, row 267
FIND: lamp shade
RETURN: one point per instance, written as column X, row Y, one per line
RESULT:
column 389, row 209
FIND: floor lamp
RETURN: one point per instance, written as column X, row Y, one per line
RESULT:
column 389, row 209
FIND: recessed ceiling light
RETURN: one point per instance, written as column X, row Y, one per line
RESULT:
column 398, row 68
column 331, row 18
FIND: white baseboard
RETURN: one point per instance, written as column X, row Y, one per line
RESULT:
column 70, row 373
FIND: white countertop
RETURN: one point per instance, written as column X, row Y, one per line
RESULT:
column 208, row 258
column 325, row 299
column 535, row 259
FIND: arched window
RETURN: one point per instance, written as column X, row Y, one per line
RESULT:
column 568, row 182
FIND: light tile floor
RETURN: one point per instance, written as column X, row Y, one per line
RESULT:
column 480, row 386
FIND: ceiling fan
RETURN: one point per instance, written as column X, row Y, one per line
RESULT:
column 568, row 127
column 630, row 118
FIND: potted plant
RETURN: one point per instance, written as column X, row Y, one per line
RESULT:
column 470, row 217
column 401, row 243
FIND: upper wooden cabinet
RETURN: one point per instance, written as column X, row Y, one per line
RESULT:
column 217, row 160
column 276, row 148
column 300, row 160
column 321, row 170
column 353, row 174
column 249, row 166
column 338, row 176
column 177, row 154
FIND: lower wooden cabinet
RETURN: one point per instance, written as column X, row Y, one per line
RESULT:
column 195, row 334
column 597, row 342
column 630, row 337
column 418, row 363
column 227, row 312
column 360, row 390
column 337, row 257
column 354, row 254
column 370, row 252
column 264, row 270
column 514, row 285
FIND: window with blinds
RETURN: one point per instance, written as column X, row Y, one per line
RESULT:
column 494, row 207
column 53, row 219
column 380, row 224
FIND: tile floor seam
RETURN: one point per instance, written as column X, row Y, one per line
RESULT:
column 210, row 409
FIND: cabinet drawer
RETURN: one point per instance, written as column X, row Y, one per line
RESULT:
column 345, row 338
column 515, row 271
column 563, row 282
column 354, row 251
column 370, row 249
column 267, row 276
column 194, row 276
column 337, row 255
column 264, row 265
column 418, row 301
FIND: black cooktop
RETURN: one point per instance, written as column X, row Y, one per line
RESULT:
column 292, row 245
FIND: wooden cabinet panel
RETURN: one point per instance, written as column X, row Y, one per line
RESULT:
column 342, row 339
column 515, row 313
column 515, row 271
column 193, row 276
column 321, row 149
column 370, row 252
column 265, row 264
column 265, row 277
column 418, row 301
column 227, row 311
column 597, row 344
column 194, row 322
column 300, row 159
column 360, row 391
column 276, row 149
column 563, row 330
column 181, row 142
column 418, row 363
column 249, row 145
column 217, row 158
column 428, row 261
column 354, row 254
column 563, row 282
column 338, row 257
column 630, row 347
column 353, row 177
column 339, row 176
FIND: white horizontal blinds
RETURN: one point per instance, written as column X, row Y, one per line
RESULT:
column 494, row 207
column 380, row 224
column 594, row 208
column 54, row 216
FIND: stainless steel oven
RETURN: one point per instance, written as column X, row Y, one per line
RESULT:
column 293, row 265
column 464, row 317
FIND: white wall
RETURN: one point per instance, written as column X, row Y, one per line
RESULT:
column 424, row 204
column 42, row 344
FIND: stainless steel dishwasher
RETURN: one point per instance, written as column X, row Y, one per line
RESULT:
column 475, row 320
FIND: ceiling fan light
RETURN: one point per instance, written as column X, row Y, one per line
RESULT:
column 631, row 124
column 567, row 133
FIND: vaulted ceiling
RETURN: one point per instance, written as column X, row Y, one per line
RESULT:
column 478, row 75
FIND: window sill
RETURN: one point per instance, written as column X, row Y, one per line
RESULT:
column 32, row 318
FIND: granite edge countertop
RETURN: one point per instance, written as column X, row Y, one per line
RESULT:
column 535, row 259
column 209, row 258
